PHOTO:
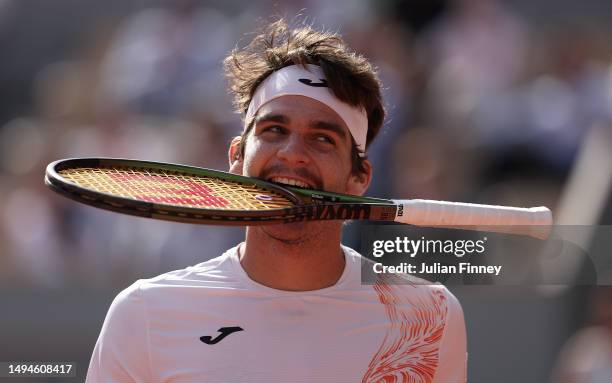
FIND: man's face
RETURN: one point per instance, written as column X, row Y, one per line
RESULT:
column 300, row 141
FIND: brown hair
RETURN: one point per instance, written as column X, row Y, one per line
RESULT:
column 350, row 76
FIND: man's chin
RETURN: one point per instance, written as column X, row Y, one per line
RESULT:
column 291, row 233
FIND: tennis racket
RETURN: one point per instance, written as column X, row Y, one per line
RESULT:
column 197, row 195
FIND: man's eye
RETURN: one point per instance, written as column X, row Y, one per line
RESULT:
column 325, row 138
column 273, row 129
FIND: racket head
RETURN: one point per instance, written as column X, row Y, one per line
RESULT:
column 171, row 192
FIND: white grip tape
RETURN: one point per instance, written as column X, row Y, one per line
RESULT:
column 535, row 221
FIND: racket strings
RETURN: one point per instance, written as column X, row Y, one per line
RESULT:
column 174, row 188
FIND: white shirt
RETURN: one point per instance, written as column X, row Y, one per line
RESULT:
column 349, row 332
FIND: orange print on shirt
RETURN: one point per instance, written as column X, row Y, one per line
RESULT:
column 409, row 351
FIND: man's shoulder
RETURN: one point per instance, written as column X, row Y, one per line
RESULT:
column 215, row 273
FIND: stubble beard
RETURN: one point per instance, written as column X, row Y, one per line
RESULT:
column 299, row 234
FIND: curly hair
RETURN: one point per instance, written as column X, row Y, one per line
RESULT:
column 350, row 76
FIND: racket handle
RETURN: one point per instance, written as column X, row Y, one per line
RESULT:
column 535, row 222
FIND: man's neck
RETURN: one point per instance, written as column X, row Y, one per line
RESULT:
column 312, row 263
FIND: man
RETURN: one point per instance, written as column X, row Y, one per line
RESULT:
column 287, row 304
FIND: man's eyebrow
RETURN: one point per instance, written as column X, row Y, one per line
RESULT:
column 272, row 117
column 332, row 127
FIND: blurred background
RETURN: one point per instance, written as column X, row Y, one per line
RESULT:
column 489, row 101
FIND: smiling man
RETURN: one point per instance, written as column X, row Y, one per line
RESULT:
column 287, row 304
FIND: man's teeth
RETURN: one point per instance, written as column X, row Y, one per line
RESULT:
column 289, row 181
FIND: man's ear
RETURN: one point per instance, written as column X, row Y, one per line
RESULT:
column 357, row 184
column 234, row 156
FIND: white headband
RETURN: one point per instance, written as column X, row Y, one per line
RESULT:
column 294, row 80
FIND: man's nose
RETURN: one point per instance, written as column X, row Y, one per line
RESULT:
column 293, row 151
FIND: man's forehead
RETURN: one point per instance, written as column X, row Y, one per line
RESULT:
column 300, row 108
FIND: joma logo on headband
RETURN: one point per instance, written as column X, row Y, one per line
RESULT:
column 307, row 81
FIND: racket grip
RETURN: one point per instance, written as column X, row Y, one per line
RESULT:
column 534, row 222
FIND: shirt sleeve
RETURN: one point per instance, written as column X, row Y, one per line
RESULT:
column 452, row 367
column 122, row 353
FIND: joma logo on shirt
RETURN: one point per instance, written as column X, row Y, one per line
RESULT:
column 225, row 331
